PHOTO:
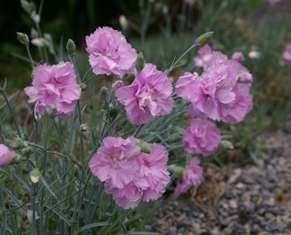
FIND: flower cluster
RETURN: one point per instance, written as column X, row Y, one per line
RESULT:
column 148, row 96
column 131, row 175
column 132, row 170
column 54, row 88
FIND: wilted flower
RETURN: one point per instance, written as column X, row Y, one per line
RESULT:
column 130, row 175
column 287, row 53
column 238, row 55
column 6, row 155
column 201, row 137
column 110, row 53
column 192, row 176
column 148, row 96
column 54, row 87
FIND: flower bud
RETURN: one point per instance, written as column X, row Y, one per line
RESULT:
column 29, row 215
column 17, row 143
column 38, row 42
column 104, row 91
column 71, row 47
column 178, row 170
column 116, row 85
column 145, row 147
column 203, row 39
column 33, row 33
column 227, row 144
column 23, row 38
column 27, row 151
column 140, row 62
column 123, row 22
column 174, row 138
column 130, row 78
column 113, row 111
column 83, row 86
column 34, row 176
column 84, row 127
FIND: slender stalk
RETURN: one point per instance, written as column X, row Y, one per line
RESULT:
column 12, row 114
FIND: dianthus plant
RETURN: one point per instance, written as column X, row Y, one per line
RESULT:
column 97, row 148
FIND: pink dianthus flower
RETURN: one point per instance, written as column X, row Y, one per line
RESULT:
column 201, row 137
column 54, row 87
column 213, row 94
column 6, row 155
column 148, row 96
column 115, row 161
column 130, row 175
column 192, row 176
column 110, row 53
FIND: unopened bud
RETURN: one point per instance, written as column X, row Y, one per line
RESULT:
column 29, row 215
column 140, row 62
column 116, row 85
column 174, row 138
column 145, row 147
column 83, row 86
column 203, row 39
column 27, row 151
column 23, row 38
column 104, row 91
column 17, row 143
column 123, row 22
column 84, row 127
column 15, row 160
column 33, row 33
column 71, row 47
column 227, row 144
column 38, row 42
column 178, row 170
column 130, row 78
column 34, row 176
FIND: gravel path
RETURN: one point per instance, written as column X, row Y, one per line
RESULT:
column 237, row 200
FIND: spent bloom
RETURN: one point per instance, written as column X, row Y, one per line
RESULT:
column 109, row 52
column 192, row 176
column 287, row 53
column 148, row 96
column 6, row 155
column 130, row 175
column 54, row 88
column 201, row 137
column 205, row 54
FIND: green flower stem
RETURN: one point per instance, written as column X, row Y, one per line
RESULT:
column 12, row 114
column 29, row 56
column 181, row 57
column 32, row 201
